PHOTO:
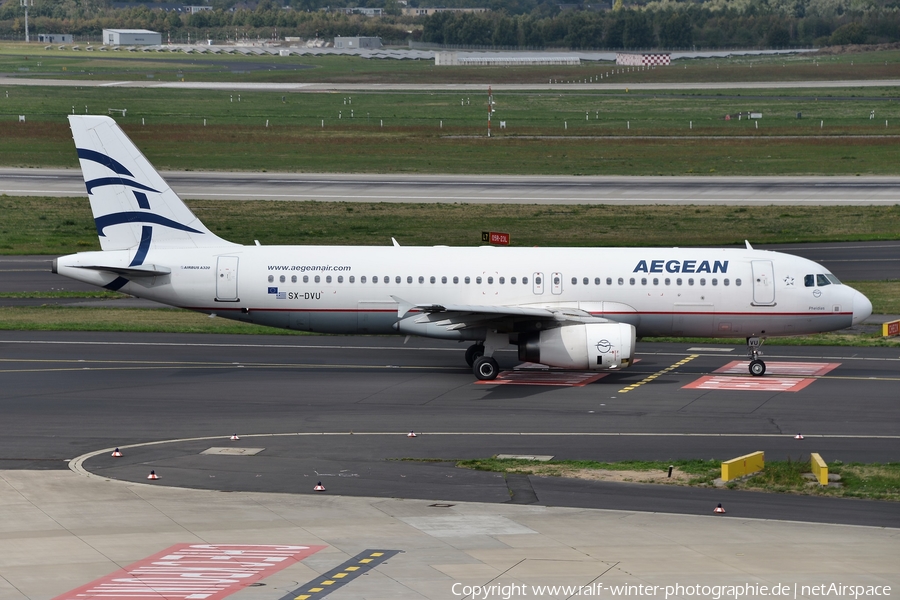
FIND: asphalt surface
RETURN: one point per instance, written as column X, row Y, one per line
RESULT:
column 352, row 400
column 487, row 189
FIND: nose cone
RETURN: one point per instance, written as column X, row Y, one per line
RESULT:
column 862, row 308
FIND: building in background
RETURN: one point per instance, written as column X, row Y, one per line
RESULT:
column 131, row 37
column 357, row 43
column 55, row 38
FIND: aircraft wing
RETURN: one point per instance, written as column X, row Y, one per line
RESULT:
column 463, row 316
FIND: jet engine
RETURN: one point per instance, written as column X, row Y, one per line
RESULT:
column 587, row 347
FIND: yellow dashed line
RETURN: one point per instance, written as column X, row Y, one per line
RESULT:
column 366, row 560
column 352, row 569
column 316, row 589
column 650, row 378
column 340, row 575
column 303, row 597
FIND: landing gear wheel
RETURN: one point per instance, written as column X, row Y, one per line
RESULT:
column 473, row 352
column 485, row 368
column 757, row 368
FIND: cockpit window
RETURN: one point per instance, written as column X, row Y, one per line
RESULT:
column 833, row 279
column 809, row 280
column 822, row 280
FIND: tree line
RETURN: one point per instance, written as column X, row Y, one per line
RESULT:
column 510, row 23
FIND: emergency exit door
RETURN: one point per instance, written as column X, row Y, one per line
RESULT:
column 226, row 279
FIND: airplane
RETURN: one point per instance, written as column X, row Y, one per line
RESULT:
column 567, row 308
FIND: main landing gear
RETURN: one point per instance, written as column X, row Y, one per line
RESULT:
column 479, row 356
column 757, row 366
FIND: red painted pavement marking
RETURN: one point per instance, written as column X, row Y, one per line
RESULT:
column 749, row 383
column 545, row 377
column 741, row 367
column 193, row 572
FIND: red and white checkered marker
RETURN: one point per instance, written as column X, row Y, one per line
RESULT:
column 799, row 436
column 153, row 475
column 719, row 509
column 411, row 434
column 116, row 453
column 319, row 487
column 234, row 437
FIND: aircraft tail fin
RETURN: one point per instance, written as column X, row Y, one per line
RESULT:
column 133, row 206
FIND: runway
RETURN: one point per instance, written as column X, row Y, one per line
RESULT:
column 337, row 409
column 764, row 191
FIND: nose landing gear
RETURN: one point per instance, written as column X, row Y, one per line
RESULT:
column 757, row 366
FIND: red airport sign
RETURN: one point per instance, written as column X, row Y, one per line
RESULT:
column 495, row 237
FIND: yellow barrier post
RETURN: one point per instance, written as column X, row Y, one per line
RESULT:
column 743, row 465
column 891, row 328
column 819, row 468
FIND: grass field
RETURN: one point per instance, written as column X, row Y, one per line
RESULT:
column 873, row 481
column 175, row 66
column 35, row 225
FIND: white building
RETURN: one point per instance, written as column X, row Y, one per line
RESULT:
column 502, row 59
column 356, row 43
column 55, row 38
column 131, row 37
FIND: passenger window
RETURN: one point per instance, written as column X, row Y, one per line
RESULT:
column 409, row 279
column 271, row 279
column 362, row 279
column 444, row 279
column 512, row 280
column 596, row 281
column 585, row 281
column 432, row 280
column 726, row 282
column 678, row 281
column 537, row 281
column 502, row 280
column 318, row 279
column 281, row 279
column 631, row 281
column 306, row 279
column 574, row 281
column 643, row 281
column 397, row 279
column 622, row 281
column 293, row 279
column 455, row 279
column 340, row 279
column 421, row 279
column 809, row 280
column 702, row 281
column 374, row 279
column 490, row 280
column 609, row 281
column 387, row 278
column 737, row 282
column 525, row 281
column 556, row 281
column 352, row 279
column 668, row 281
column 822, row 280
column 655, row 281
column 328, row 279
column 478, row 280
column 467, row 280
column 715, row 281
column 690, row 281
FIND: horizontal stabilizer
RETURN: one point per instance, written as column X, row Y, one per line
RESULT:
column 135, row 271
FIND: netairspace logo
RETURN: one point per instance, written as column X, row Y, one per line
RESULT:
column 712, row 592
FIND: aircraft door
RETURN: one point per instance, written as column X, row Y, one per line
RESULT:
column 556, row 282
column 538, row 284
column 763, row 283
column 226, row 279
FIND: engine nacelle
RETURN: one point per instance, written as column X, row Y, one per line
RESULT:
column 586, row 347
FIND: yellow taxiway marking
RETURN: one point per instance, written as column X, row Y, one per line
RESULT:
column 650, row 378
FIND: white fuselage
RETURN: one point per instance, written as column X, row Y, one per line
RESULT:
column 354, row 289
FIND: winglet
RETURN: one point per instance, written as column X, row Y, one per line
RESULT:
column 749, row 247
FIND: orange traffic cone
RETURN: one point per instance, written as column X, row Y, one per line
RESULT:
column 152, row 475
column 799, row 436
column 411, row 434
column 719, row 509
column 235, row 437
column 319, row 487
column 116, row 453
